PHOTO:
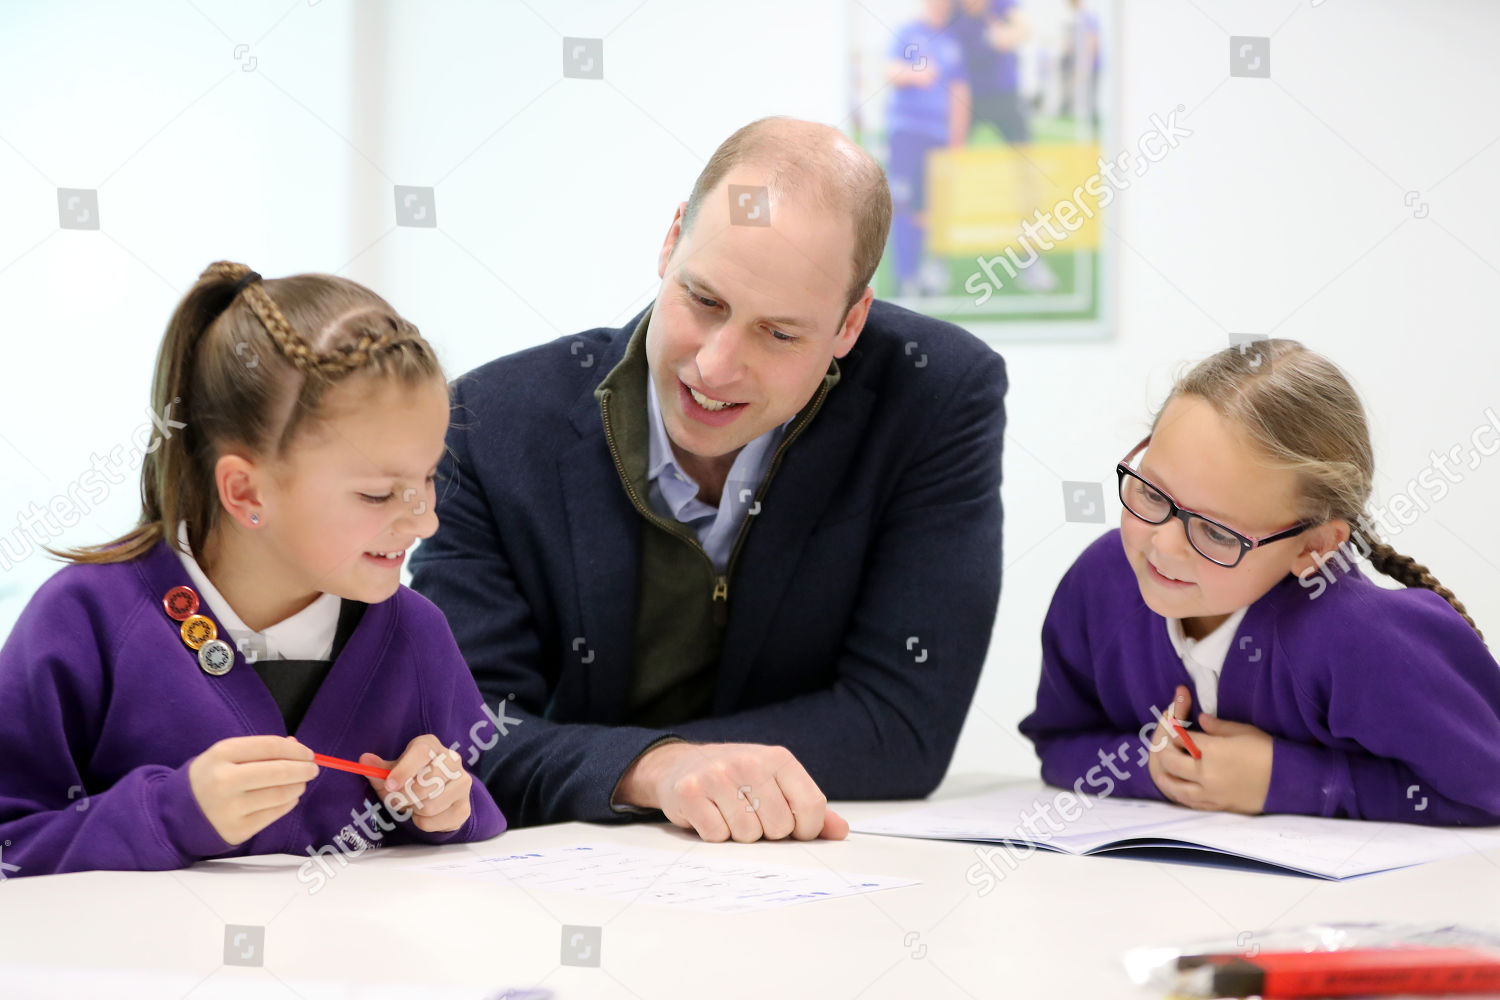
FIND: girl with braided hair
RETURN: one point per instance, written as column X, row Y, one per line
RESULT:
column 181, row 677
column 1213, row 599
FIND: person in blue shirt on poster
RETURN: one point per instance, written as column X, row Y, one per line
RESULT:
column 929, row 110
column 990, row 33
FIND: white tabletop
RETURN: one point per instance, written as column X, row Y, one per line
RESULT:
column 1055, row 926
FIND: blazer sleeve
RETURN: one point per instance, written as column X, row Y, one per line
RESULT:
column 887, row 726
column 538, row 771
column 54, row 817
column 1080, row 745
column 1410, row 703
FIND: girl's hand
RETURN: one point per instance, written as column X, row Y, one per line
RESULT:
column 246, row 783
column 1234, row 774
column 1166, row 747
column 1236, row 766
column 427, row 783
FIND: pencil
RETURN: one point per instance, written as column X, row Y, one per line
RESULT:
column 1187, row 741
column 339, row 764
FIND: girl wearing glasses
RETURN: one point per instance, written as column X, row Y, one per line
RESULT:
column 1230, row 596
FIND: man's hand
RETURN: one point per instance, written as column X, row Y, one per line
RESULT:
column 743, row 791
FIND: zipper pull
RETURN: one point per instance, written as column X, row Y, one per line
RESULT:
column 721, row 600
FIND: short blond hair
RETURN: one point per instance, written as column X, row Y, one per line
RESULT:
column 817, row 160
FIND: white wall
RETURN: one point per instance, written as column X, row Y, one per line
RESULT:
column 1283, row 213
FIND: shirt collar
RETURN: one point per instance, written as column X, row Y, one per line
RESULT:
column 1212, row 648
column 306, row 635
column 662, row 461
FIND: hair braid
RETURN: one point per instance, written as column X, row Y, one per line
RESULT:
column 252, row 375
column 1408, row 572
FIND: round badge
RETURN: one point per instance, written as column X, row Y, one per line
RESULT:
column 181, row 603
column 216, row 657
column 197, row 630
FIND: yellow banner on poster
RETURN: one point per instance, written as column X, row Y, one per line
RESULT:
column 979, row 199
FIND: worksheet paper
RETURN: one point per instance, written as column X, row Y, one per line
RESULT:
column 667, row 878
column 1037, row 814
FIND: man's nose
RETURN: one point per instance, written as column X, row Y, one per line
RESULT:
column 721, row 357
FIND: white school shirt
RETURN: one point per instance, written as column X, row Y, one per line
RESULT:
column 306, row 635
column 1204, row 658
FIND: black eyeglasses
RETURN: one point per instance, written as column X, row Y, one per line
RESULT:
column 1218, row 543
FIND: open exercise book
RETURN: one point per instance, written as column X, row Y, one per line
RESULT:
column 1305, row 845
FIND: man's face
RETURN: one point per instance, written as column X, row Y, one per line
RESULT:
column 748, row 316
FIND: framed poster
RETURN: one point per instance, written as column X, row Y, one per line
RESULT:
column 991, row 118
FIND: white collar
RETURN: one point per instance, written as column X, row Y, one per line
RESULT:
column 306, row 635
column 1212, row 648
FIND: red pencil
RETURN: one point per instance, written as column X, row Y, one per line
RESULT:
column 339, row 764
column 1187, row 741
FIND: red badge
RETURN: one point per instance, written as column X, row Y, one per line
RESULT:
column 181, row 603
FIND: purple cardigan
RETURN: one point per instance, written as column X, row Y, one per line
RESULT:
column 1384, row 704
column 103, row 707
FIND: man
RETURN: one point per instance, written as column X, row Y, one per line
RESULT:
column 744, row 552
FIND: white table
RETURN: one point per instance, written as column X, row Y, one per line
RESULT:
column 1056, row 926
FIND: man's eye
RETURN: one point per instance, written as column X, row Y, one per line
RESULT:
column 785, row 338
column 705, row 303
column 369, row 499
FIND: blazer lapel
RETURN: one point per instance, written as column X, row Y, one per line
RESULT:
column 811, row 469
column 604, row 530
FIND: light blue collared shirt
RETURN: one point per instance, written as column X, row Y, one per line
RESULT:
column 674, row 493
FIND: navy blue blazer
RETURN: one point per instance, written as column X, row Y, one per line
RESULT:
column 862, row 600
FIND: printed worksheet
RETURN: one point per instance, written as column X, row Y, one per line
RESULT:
column 666, row 878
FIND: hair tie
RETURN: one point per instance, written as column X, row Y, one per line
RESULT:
column 239, row 286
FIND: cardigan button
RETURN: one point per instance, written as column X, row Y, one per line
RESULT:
column 181, row 603
column 198, row 630
column 216, row 657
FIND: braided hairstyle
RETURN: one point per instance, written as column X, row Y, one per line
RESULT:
column 1300, row 411
column 245, row 364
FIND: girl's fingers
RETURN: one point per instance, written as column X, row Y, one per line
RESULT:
column 271, row 774
column 453, row 792
column 243, row 749
column 259, row 799
column 1185, row 793
column 1180, row 764
column 259, row 820
column 444, row 822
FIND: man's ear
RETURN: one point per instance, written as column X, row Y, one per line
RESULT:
column 1319, row 544
column 674, row 233
column 854, row 322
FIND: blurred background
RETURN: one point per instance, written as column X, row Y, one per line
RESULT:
column 1333, row 189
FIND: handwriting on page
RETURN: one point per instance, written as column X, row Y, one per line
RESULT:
column 666, row 878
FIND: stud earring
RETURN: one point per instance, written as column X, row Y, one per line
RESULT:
column 254, row 518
